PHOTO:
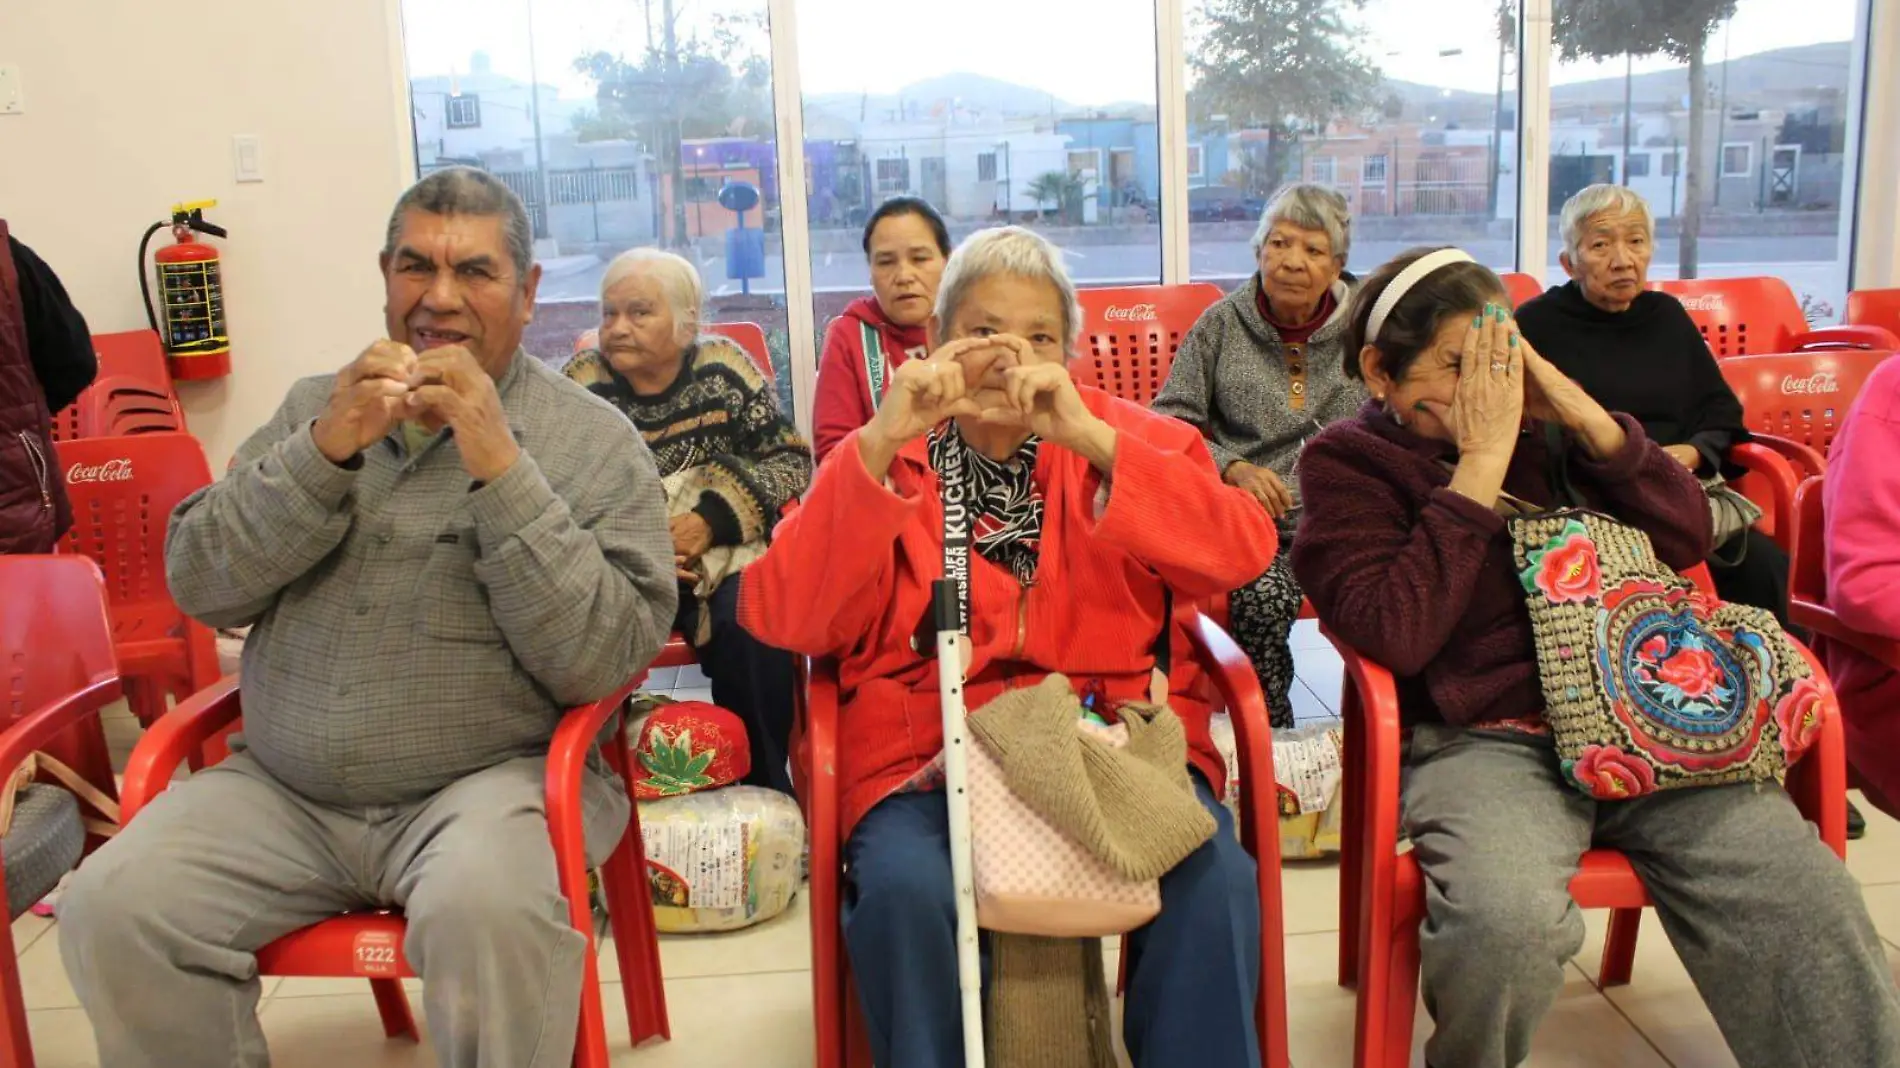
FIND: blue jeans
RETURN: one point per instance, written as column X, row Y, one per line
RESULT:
column 1192, row 973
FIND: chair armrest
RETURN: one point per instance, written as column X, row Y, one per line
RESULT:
column 1773, row 471
column 35, row 730
column 573, row 743
column 170, row 741
column 1228, row 668
column 1818, row 781
column 1821, row 620
column 1371, row 719
column 1806, row 460
column 1853, row 336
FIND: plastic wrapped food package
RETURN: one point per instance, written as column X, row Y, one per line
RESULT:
column 1307, row 761
column 722, row 859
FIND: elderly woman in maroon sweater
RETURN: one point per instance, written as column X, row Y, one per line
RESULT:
column 1404, row 556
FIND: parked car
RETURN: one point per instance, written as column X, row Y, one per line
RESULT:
column 1223, row 203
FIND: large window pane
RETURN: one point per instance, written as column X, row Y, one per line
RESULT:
column 1770, row 85
column 646, row 112
column 1409, row 110
column 1004, row 111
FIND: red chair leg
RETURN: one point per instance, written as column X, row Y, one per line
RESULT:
column 1401, row 1002
column 1351, row 837
column 392, row 1002
column 16, row 1045
column 1619, row 948
column 636, row 943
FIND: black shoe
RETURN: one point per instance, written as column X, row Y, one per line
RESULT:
column 1856, row 823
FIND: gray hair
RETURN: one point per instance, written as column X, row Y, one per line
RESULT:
column 1593, row 200
column 677, row 276
column 1309, row 207
column 468, row 191
column 1008, row 250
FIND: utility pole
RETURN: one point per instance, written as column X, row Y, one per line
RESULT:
column 540, row 153
column 676, row 149
column 1629, row 60
column 1721, row 119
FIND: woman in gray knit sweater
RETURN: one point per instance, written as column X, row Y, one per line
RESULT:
column 1261, row 373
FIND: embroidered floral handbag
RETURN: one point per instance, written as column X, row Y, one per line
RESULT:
column 1650, row 684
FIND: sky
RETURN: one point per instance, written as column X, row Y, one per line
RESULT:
column 1106, row 54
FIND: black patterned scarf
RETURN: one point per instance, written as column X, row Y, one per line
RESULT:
column 1007, row 507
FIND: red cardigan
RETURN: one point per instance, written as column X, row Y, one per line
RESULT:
column 1423, row 580
column 841, row 402
column 848, row 576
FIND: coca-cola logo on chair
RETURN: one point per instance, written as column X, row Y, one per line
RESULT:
column 1818, row 383
column 1133, row 313
column 119, row 470
column 1704, row 302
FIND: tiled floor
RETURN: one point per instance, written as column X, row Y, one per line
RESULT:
column 742, row 1000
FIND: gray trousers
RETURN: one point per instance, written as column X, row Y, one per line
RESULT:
column 158, row 929
column 1766, row 919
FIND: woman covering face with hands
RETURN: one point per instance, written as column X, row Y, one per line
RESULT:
column 1407, row 558
column 1076, row 519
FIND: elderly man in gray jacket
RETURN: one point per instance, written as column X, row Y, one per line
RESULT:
column 1259, row 374
column 438, row 548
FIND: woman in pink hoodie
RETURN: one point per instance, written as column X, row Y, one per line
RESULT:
column 1862, row 498
column 906, row 244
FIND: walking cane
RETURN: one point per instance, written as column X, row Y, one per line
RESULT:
column 950, row 604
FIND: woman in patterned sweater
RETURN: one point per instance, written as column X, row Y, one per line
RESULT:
column 730, row 462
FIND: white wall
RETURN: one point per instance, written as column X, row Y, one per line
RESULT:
column 129, row 109
column 1877, row 252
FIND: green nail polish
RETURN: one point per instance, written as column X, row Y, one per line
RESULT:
column 1499, row 311
column 1477, row 321
column 1513, row 340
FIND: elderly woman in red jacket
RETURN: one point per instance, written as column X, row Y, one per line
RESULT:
column 1090, row 511
column 1405, row 557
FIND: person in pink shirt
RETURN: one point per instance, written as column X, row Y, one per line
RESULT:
column 1862, row 499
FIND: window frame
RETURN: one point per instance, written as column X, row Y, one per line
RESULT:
column 462, row 102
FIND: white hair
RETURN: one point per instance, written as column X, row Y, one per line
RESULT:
column 1014, row 251
column 1593, row 200
column 678, row 279
column 1309, row 207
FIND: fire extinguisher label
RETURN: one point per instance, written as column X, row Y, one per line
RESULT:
column 194, row 308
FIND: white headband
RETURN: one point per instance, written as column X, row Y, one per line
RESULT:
column 1408, row 278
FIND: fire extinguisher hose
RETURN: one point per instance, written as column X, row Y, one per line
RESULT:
column 145, row 282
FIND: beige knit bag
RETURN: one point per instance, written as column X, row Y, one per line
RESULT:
column 1033, row 879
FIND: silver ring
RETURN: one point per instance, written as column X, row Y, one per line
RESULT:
column 1500, row 368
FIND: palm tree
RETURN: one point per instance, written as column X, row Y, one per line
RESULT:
column 1053, row 186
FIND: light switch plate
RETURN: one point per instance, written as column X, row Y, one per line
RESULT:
column 12, row 94
column 247, row 153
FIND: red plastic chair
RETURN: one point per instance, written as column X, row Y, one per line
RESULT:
column 1807, row 582
column 1382, row 894
column 56, row 672
column 1800, row 397
column 1874, row 307
column 123, row 490
column 839, row 1032
column 1521, row 287
column 332, row 949
column 134, row 354
column 749, row 336
column 1770, row 482
column 1131, row 333
column 1744, row 316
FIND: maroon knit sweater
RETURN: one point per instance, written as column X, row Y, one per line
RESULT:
column 1422, row 579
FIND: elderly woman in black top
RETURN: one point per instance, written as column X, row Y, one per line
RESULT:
column 1637, row 351
column 729, row 459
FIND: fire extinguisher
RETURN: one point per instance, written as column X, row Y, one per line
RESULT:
column 192, row 295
